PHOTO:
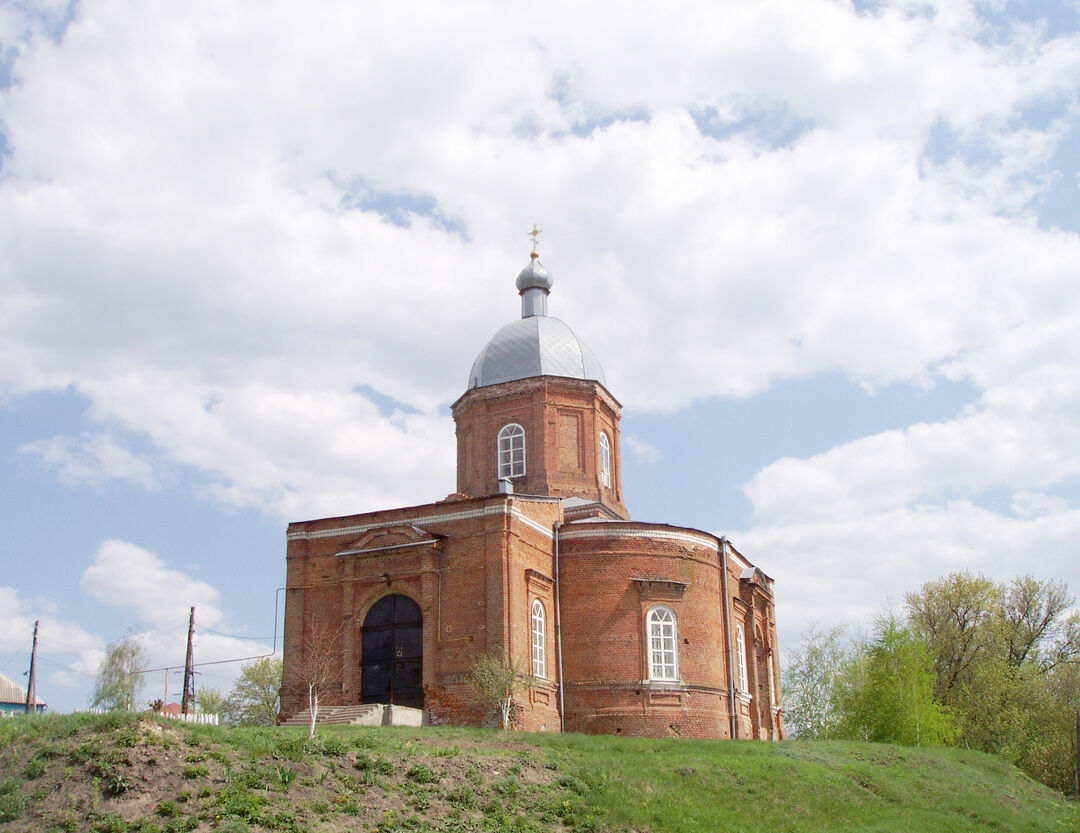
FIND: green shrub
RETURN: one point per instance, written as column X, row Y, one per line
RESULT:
column 85, row 751
column 127, row 736
column 110, row 823
column 12, row 805
column 333, row 746
column 381, row 766
column 35, row 768
column 180, row 824
column 193, row 771
column 283, row 820
column 462, row 797
column 237, row 801
column 422, row 775
column 366, row 741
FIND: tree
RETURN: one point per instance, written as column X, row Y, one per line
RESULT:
column 954, row 616
column 320, row 666
column 497, row 680
column 887, row 695
column 1033, row 617
column 120, row 676
column 1007, row 658
column 810, row 677
column 212, row 701
column 254, row 697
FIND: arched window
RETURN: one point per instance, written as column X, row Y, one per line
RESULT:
column 663, row 645
column 512, row 451
column 772, row 683
column 740, row 652
column 539, row 661
column 605, row 460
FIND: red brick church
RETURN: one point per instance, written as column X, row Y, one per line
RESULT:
column 626, row 627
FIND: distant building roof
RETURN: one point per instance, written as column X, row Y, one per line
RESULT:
column 12, row 692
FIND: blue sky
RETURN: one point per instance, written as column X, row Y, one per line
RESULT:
column 827, row 253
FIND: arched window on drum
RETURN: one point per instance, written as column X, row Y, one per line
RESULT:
column 605, row 459
column 511, row 451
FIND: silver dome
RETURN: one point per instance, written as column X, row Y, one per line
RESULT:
column 533, row 276
column 535, row 346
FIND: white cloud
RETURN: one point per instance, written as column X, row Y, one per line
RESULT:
column 91, row 460
column 641, row 450
column 61, row 642
column 184, row 242
column 126, row 576
column 846, row 569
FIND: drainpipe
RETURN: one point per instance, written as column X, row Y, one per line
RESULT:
column 558, row 630
column 727, row 630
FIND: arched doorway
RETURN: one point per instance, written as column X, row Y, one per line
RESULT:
column 392, row 653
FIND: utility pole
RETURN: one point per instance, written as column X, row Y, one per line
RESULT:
column 1078, row 754
column 31, row 686
column 187, row 702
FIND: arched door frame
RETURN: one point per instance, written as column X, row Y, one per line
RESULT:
column 392, row 652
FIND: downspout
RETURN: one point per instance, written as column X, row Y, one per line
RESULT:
column 558, row 631
column 727, row 632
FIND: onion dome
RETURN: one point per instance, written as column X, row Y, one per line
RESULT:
column 537, row 345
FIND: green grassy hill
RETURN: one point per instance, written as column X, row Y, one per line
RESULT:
column 120, row 773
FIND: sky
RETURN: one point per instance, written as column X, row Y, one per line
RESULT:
column 826, row 252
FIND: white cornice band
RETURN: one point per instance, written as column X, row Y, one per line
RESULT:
column 505, row 508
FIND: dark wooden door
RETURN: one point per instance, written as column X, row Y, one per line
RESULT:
column 392, row 653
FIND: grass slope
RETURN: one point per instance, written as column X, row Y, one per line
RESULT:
column 125, row 773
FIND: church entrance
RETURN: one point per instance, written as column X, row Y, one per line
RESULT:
column 392, row 653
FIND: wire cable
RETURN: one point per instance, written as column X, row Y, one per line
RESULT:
column 13, row 657
column 232, row 635
column 65, row 667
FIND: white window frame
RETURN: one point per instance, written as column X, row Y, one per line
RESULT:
column 740, row 650
column 511, row 453
column 538, row 629
column 772, row 683
column 605, row 459
column 662, row 628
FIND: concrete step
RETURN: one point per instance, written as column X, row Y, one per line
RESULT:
column 340, row 715
column 367, row 714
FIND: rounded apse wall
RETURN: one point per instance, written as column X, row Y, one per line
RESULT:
column 628, row 591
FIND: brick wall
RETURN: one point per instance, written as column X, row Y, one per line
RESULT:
column 562, row 419
column 475, row 566
column 474, row 569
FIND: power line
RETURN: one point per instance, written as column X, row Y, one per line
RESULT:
column 12, row 658
column 233, row 635
column 65, row 667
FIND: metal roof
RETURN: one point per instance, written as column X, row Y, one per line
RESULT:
column 535, row 346
column 12, row 692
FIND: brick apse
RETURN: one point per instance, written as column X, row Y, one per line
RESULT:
column 627, row 627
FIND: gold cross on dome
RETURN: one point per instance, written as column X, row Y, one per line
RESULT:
column 534, row 234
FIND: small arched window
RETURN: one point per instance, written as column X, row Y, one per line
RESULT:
column 740, row 652
column 605, row 460
column 539, row 660
column 511, row 451
column 663, row 644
